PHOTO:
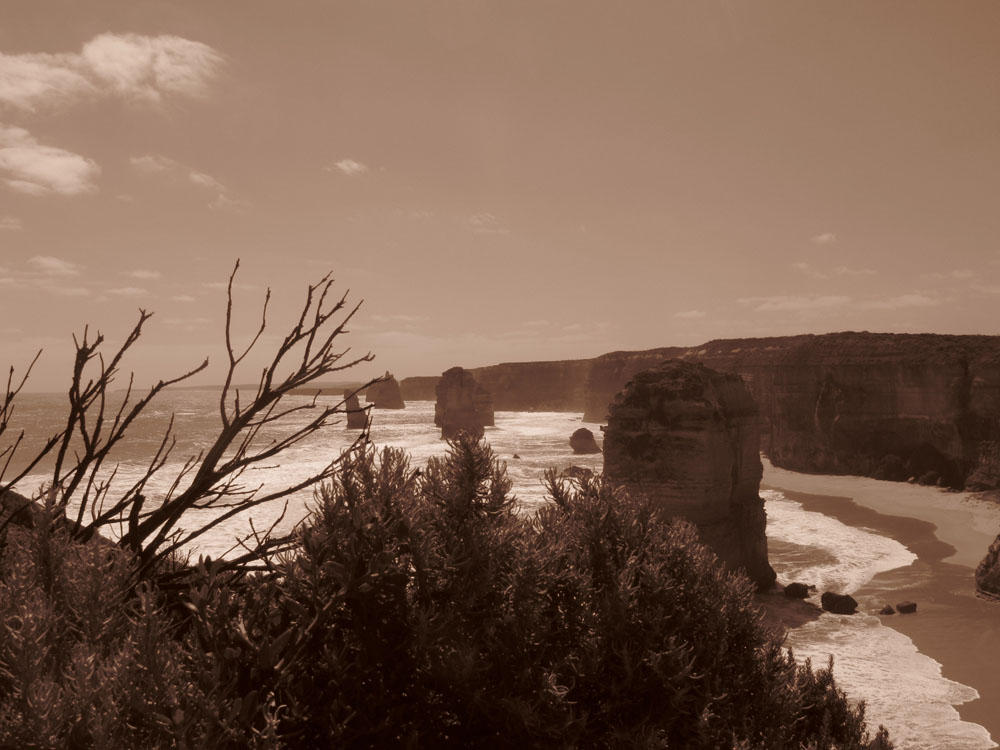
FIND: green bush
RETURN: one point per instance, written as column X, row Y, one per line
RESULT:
column 419, row 609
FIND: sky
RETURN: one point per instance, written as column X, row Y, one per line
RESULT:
column 497, row 181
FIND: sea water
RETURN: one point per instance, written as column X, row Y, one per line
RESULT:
column 902, row 688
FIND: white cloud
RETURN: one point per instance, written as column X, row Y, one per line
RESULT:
column 826, row 238
column 127, row 66
column 689, row 314
column 809, row 271
column 153, row 163
column 845, row 271
column 52, row 266
column 786, row 303
column 206, row 181
column 182, row 298
column 128, row 291
column 900, row 302
column 142, row 273
column 30, row 167
column 10, row 223
column 350, row 167
column 961, row 274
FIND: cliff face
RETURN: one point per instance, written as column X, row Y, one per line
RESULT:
column 535, row 386
column 419, row 387
column 889, row 405
column 988, row 572
column 385, row 394
column 462, row 404
column 690, row 438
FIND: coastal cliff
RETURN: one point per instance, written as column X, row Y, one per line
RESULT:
column 894, row 406
column 689, row 437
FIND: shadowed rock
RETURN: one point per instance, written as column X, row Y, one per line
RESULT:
column 689, row 437
column 582, row 441
column 797, row 591
column 385, row 394
column 887, row 610
column 462, row 404
column 357, row 417
column 906, row 608
column 988, row 572
column 839, row 604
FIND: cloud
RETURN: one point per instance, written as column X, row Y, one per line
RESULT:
column 486, row 223
column 845, row 271
column 900, row 302
column 132, row 67
column 10, row 224
column 30, row 167
column 689, row 314
column 349, row 167
column 809, row 271
column 826, row 238
column 182, row 298
column 142, row 273
column 814, row 273
column 206, row 181
column 52, row 266
column 786, row 303
column 153, row 163
column 961, row 274
column 128, row 291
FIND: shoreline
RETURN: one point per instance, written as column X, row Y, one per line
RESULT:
column 949, row 533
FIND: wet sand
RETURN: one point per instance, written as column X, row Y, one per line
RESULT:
column 949, row 533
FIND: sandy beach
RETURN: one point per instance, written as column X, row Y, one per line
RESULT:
column 949, row 532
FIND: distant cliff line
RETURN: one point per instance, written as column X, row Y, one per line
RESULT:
column 875, row 404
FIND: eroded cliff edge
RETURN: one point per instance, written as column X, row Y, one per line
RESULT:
column 689, row 437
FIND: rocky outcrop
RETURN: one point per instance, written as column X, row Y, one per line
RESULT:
column 689, row 437
column 906, row 608
column 838, row 604
column 357, row 417
column 988, row 572
column 419, row 388
column 385, row 394
column 582, row 441
column 462, row 404
column 797, row 591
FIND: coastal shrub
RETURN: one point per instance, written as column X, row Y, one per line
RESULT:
column 417, row 609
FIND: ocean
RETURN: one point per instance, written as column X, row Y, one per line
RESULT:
column 903, row 688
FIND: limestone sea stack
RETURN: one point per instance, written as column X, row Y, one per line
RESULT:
column 385, row 394
column 690, row 438
column 582, row 441
column 357, row 417
column 462, row 404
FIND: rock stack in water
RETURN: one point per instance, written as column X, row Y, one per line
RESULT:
column 385, row 394
column 462, row 404
column 357, row 417
column 582, row 441
column 690, row 438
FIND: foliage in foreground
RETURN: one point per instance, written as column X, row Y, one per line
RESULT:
column 418, row 610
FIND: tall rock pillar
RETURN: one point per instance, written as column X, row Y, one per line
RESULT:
column 689, row 437
column 462, row 404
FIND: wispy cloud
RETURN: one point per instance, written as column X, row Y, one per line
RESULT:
column 486, row 223
column 33, row 168
column 153, row 163
column 142, row 273
column 826, row 238
column 49, row 265
column 689, row 314
column 182, row 298
column 171, row 169
column 10, row 224
column 960, row 274
column 815, row 273
column 132, row 67
column 350, row 167
column 900, row 302
column 128, row 291
column 788, row 303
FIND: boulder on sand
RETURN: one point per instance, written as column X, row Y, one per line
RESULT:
column 906, row 608
column 839, row 604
